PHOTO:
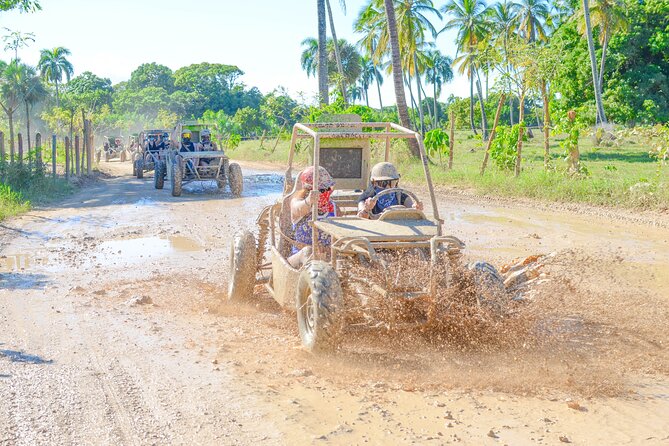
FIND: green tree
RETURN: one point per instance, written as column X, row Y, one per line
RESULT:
column 396, row 63
column 469, row 18
column 16, row 40
column 371, row 26
column 601, row 116
column 340, row 68
column 216, row 83
column 11, row 98
column 21, row 5
column 438, row 73
column 531, row 18
column 503, row 17
column 31, row 91
column 349, row 57
column 152, row 75
column 53, row 64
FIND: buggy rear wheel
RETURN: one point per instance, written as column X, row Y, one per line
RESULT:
column 177, row 178
column 123, row 156
column 139, row 168
column 319, row 303
column 107, row 156
column 98, row 155
column 236, row 179
column 242, row 267
column 490, row 291
column 159, row 175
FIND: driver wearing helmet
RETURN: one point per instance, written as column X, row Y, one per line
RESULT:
column 383, row 176
column 154, row 144
column 186, row 144
column 206, row 144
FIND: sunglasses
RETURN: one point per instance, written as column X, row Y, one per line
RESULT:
column 324, row 190
column 384, row 183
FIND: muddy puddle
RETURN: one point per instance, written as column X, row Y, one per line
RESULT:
column 138, row 250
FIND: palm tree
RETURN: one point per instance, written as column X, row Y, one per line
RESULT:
column 53, row 64
column 469, row 18
column 532, row 15
column 11, row 99
column 396, row 62
column 31, row 91
column 368, row 74
column 412, row 24
column 609, row 17
column 439, row 73
column 349, row 58
column 503, row 17
column 372, row 25
column 593, row 63
column 340, row 68
column 322, row 61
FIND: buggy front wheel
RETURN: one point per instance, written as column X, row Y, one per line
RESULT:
column 177, row 178
column 139, row 168
column 235, row 179
column 159, row 174
column 319, row 303
column 242, row 267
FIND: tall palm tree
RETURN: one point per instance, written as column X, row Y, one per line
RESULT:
column 340, row 68
column 31, row 91
column 368, row 74
column 53, row 64
column 372, row 25
column 10, row 97
column 531, row 18
column 609, row 16
column 396, row 62
column 469, row 18
column 438, row 74
column 412, row 25
column 593, row 63
column 322, row 56
column 503, row 17
column 349, row 58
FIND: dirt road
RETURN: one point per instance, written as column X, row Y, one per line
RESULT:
column 114, row 330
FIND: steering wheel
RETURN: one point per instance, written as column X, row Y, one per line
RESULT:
column 396, row 190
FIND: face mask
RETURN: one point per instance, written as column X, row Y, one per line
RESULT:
column 324, row 204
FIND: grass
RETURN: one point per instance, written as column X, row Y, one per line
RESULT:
column 21, row 188
column 623, row 175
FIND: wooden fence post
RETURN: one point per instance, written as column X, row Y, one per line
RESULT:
column 20, row 139
column 67, row 158
column 38, row 151
column 76, row 154
column 451, row 140
column 53, row 156
column 89, row 151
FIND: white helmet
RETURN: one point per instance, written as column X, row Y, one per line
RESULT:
column 384, row 171
column 205, row 132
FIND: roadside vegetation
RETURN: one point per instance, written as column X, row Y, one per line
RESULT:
column 588, row 77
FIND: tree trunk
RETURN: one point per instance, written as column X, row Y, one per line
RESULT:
column 20, row 139
column 340, row 68
column 593, row 63
column 57, row 94
column 413, row 101
column 323, row 94
column 436, row 110
column 378, row 87
column 10, row 117
column 451, row 140
column 519, row 151
column 547, row 123
column 400, row 99
column 492, row 133
column 28, row 126
column 484, row 119
column 420, row 99
column 367, row 97
column 511, row 110
column 605, row 45
column 471, row 101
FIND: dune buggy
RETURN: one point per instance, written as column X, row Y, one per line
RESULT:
column 182, row 167
column 397, row 270
column 112, row 147
column 147, row 158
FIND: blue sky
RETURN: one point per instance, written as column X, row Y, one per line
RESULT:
column 261, row 37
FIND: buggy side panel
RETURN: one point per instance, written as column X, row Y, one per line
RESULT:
column 284, row 281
